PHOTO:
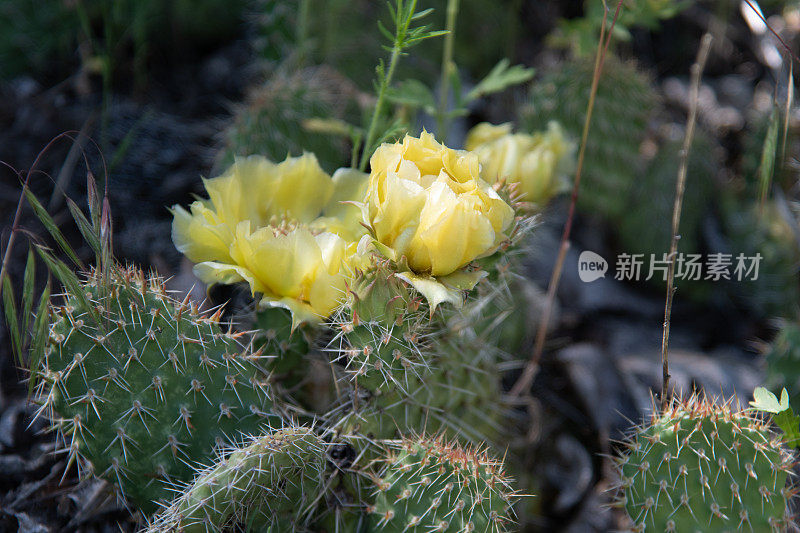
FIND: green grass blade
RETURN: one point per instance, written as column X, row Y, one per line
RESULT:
column 85, row 227
column 787, row 111
column 52, row 228
column 28, row 289
column 12, row 318
column 41, row 332
column 70, row 281
column 768, row 155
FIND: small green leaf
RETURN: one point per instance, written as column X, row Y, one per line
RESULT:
column 790, row 425
column 386, row 33
column 423, row 13
column 52, row 228
column 413, row 93
column 501, row 77
column 765, row 401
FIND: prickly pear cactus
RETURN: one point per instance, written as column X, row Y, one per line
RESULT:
column 270, row 483
column 274, row 121
column 623, row 106
column 382, row 331
column 405, row 370
column 430, row 485
column 703, row 467
column 140, row 387
column 783, row 362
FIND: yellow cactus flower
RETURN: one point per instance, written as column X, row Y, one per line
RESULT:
column 282, row 228
column 201, row 235
column 291, row 266
column 427, row 202
column 340, row 215
column 253, row 189
column 485, row 133
column 533, row 161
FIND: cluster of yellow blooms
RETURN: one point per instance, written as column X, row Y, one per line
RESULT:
column 535, row 162
column 297, row 235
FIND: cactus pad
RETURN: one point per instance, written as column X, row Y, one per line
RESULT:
column 141, row 387
column 266, row 484
column 430, row 485
column 701, row 466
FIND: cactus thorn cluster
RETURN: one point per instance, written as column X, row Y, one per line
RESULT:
column 428, row 484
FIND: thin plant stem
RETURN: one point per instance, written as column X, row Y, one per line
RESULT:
column 442, row 122
column 302, row 30
column 373, row 125
column 525, row 381
column 680, row 187
column 774, row 33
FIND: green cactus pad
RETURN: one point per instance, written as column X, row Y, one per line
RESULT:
column 756, row 229
column 701, row 466
column 273, row 123
column 430, row 485
column 381, row 332
column 406, row 371
column 267, row 484
column 273, row 335
column 149, row 389
column 624, row 104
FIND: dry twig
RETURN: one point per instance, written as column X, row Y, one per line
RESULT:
column 524, row 382
column 697, row 72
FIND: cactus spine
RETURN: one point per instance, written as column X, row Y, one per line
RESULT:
column 266, row 484
column 141, row 387
column 431, row 485
column 701, row 466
